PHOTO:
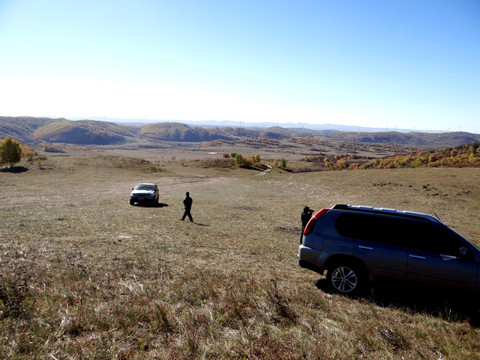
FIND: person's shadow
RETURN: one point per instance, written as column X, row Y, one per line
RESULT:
column 195, row 223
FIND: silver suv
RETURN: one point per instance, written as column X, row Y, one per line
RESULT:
column 359, row 244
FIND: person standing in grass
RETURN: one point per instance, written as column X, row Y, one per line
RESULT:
column 187, row 204
column 306, row 215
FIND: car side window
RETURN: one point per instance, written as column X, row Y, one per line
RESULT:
column 436, row 239
column 407, row 233
column 380, row 229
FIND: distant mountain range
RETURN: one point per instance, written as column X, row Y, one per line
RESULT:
column 260, row 125
column 34, row 130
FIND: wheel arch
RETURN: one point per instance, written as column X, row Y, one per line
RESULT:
column 341, row 258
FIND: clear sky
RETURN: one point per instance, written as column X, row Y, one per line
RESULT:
column 411, row 64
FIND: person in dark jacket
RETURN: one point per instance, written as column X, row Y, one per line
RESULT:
column 187, row 204
column 306, row 215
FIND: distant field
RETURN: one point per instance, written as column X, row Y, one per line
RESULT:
column 85, row 275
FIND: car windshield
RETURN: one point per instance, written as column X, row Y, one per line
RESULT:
column 145, row 187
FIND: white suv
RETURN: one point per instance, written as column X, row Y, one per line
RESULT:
column 144, row 193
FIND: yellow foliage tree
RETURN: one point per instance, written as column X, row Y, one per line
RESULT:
column 10, row 151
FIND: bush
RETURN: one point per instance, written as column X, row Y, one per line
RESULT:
column 53, row 149
column 241, row 160
column 282, row 164
column 216, row 163
column 10, row 151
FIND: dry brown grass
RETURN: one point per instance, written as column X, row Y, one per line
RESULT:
column 85, row 275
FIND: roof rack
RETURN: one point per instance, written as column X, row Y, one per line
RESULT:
column 388, row 211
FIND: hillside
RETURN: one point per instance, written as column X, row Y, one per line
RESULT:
column 83, row 132
column 21, row 128
column 466, row 155
column 90, row 132
column 170, row 131
column 411, row 138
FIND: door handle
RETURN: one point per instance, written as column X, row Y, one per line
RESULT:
column 418, row 257
column 365, row 247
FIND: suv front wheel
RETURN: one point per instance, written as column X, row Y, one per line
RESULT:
column 346, row 278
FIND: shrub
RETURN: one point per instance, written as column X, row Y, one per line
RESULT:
column 216, row 163
column 241, row 160
column 10, row 151
column 53, row 149
column 282, row 164
column 238, row 159
column 256, row 159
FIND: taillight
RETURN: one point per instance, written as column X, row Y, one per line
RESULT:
column 312, row 221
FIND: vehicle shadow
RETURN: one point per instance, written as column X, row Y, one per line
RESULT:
column 14, row 169
column 452, row 306
column 157, row 205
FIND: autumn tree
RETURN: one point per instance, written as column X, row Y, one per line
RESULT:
column 282, row 164
column 241, row 160
column 256, row 159
column 10, row 151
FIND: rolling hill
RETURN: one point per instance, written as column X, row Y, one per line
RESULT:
column 90, row 132
column 83, row 132
column 411, row 138
column 170, row 131
column 21, row 128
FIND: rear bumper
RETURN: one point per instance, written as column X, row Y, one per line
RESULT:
column 308, row 259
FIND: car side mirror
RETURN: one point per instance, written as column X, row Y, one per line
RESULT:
column 464, row 253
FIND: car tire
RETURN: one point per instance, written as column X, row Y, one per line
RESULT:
column 346, row 278
column 132, row 202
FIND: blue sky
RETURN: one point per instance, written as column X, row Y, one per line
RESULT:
column 411, row 64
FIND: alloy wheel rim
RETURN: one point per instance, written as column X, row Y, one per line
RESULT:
column 344, row 279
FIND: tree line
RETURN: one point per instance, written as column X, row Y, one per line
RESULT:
column 467, row 155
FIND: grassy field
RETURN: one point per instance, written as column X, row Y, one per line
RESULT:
column 84, row 275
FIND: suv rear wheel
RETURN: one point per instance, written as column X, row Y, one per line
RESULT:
column 345, row 278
